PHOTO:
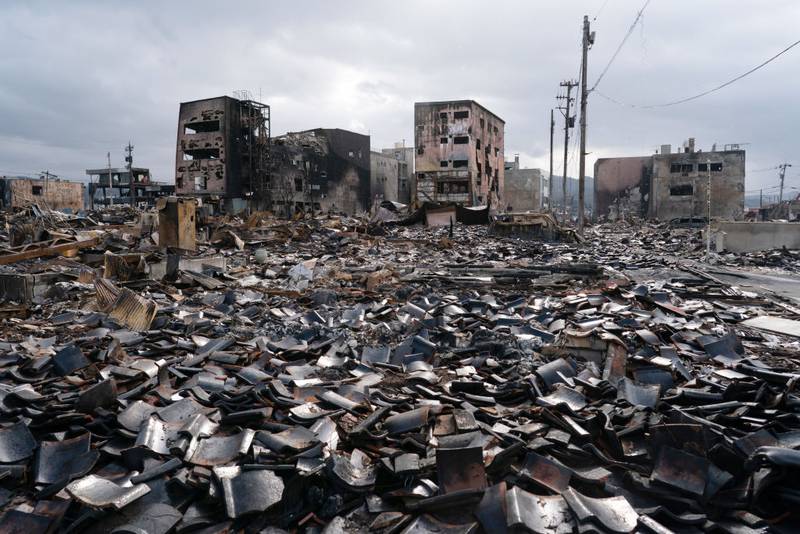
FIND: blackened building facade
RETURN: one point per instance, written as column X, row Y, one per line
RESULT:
column 222, row 148
column 324, row 169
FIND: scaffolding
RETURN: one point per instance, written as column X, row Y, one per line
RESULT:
column 255, row 148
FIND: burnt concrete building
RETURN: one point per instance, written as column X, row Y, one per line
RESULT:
column 116, row 185
column 525, row 189
column 223, row 149
column 672, row 185
column 459, row 153
column 405, row 169
column 60, row 195
column 322, row 170
column 384, row 173
column 621, row 187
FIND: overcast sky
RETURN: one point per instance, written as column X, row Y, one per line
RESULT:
column 80, row 78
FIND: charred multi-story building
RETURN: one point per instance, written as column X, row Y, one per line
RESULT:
column 223, row 149
column 113, row 185
column 672, row 185
column 459, row 157
column 325, row 169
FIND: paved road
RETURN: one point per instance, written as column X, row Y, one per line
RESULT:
column 787, row 286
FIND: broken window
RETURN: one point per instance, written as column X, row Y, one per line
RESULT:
column 200, row 183
column 201, row 153
column 451, row 187
column 461, row 115
column 460, row 163
column 461, row 140
column 298, row 185
column 36, row 190
column 443, row 163
column 482, row 123
column 201, row 126
column 681, row 167
column 477, row 144
column 479, row 169
column 682, row 190
column 443, row 115
column 420, row 149
column 715, row 167
column 443, row 140
column 496, row 151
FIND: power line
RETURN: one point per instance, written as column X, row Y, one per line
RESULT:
column 704, row 93
column 600, row 10
column 621, row 44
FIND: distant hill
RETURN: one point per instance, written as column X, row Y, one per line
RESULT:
column 572, row 190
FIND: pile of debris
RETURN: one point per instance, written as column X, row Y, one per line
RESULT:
column 309, row 377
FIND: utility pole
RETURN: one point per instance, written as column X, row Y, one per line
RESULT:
column 588, row 40
column 550, row 181
column 131, row 180
column 782, row 168
column 760, row 198
column 569, row 122
column 47, row 174
column 105, row 197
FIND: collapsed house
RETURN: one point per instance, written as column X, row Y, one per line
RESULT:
column 306, row 376
column 325, row 169
column 671, row 186
column 59, row 195
column 459, row 153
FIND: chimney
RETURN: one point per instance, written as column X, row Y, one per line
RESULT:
column 666, row 149
column 691, row 145
column 516, row 161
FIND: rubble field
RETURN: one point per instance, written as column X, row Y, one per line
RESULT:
column 333, row 374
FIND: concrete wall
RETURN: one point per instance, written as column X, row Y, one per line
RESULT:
column 754, row 236
column 384, row 177
column 621, row 185
column 459, row 154
column 407, row 179
column 523, row 188
column 53, row 194
column 679, row 185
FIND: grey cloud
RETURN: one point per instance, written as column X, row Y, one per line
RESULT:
column 81, row 78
